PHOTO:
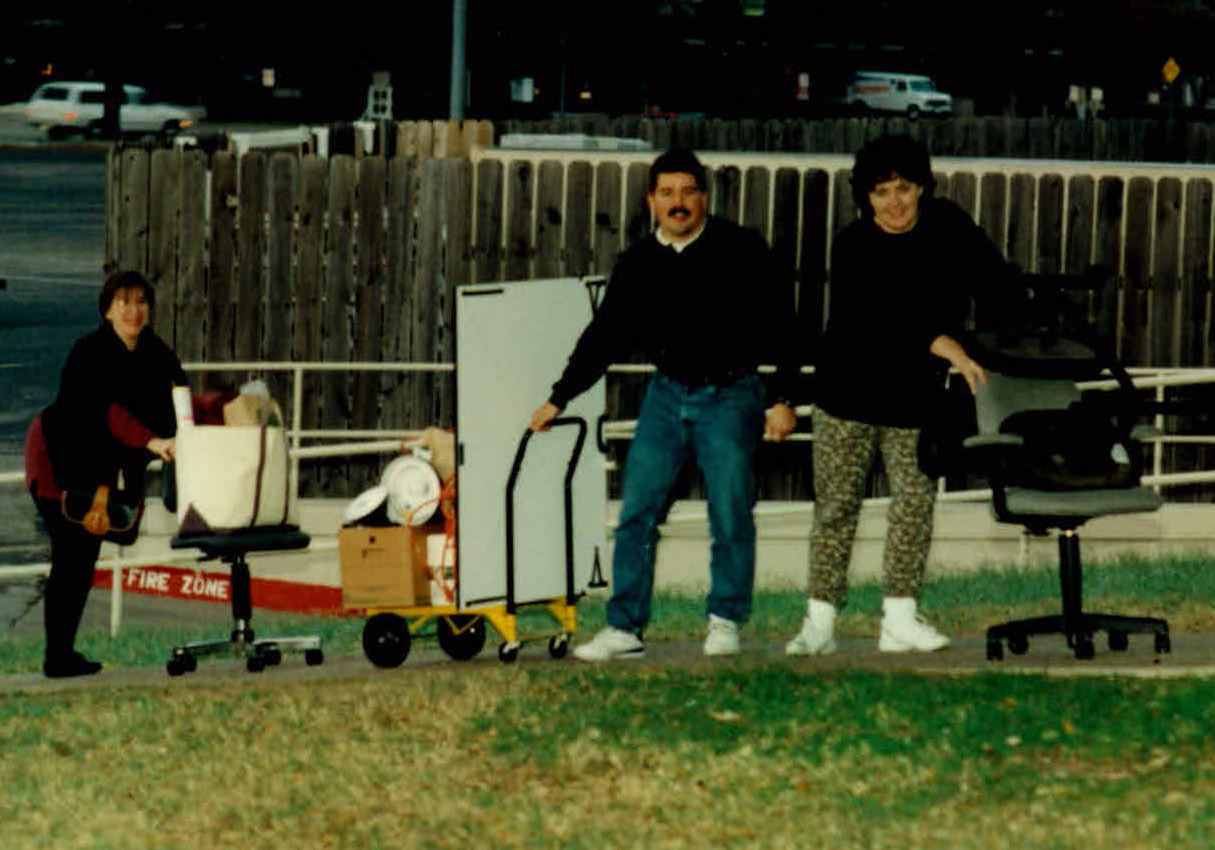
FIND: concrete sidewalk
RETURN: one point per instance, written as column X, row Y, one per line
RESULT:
column 1193, row 655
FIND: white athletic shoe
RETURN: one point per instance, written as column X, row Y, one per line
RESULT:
column 904, row 630
column 722, row 638
column 817, row 636
column 609, row 644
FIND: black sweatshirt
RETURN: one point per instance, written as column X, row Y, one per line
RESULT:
column 891, row 296
column 100, row 372
column 714, row 311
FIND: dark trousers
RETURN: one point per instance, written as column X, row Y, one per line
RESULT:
column 73, row 561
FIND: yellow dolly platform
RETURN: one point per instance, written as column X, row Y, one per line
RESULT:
column 387, row 635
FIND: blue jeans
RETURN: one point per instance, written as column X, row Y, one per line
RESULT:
column 719, row 428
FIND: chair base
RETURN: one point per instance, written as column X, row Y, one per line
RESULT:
column 257, row 653
column 1076, row 625
column 1079, row 629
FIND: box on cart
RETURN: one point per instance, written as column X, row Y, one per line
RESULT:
column 385, row 567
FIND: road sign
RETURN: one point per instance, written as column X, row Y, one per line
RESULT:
column 1170, row 70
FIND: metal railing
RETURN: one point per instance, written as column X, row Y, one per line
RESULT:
column 354, row 442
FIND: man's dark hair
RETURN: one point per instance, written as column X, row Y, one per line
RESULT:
column 679, row 161
column 888, row 158
column 124, row 280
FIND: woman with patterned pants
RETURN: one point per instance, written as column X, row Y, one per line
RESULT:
column 903, row 279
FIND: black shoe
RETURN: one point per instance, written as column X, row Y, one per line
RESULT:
column 71, row 665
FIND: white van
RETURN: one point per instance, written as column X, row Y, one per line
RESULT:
column 64, row 108
column 912, row 95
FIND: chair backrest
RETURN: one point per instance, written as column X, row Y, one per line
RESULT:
column 1005, row 395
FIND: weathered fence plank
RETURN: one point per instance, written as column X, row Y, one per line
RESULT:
column 225, row 203
column 519, row 206
column 164, row 207
column 577, row 253
column 190, row 320
column 249, row 298
column 487, row 249
column 283, row 187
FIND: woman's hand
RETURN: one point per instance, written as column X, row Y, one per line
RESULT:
column 165, row 449
column 948, row 348
column 779, row 423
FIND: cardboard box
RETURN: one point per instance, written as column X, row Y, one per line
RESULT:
column 385, row 567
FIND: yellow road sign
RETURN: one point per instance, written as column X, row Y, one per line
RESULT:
column 1170, row 70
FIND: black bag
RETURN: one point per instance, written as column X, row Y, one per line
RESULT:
column 1070, row 449
column 110, row 514
column 951, row 419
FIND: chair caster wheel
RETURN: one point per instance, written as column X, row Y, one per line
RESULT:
column 1084, row 647
column 1018, row 644
column 508, row 652
column 1163, row 644
column 558, row 645
column 1119, row 641
column 995, row 650
column 181, row 664
column 314, row 657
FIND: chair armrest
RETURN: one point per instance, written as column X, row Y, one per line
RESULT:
column 982, row 441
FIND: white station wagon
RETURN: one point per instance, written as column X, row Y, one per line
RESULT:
column 67, row 108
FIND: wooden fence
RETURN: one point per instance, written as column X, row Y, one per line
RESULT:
column 1127, row 140
column 277, row 256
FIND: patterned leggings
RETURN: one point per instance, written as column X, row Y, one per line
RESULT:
column 843, row 454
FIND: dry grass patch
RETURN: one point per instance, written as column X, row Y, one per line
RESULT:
column 578, row 757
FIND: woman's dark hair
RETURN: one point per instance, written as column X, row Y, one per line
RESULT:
column 887, row 158
column 678, row 161
column 124, row 280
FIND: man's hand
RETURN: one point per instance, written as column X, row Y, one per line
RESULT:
column 780, row 422
column 544, row 414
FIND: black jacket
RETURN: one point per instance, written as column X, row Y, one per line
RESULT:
column 100, row 371
column 891, row 295
column 719, row 308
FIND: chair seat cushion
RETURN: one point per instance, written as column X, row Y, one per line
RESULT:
column 1082, row 503
column 258, row 539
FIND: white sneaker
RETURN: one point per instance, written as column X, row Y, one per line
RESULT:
column 817, row 636
column 722, row 638
column 904, row 630
column 609, row 644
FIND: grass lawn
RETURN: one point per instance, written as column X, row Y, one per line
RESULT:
column 606, row 756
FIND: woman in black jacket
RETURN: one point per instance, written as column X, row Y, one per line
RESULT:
column 903, row 278
column 113, row 413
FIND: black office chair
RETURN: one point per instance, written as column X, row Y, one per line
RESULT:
column 232, row 549
column 1056, row 457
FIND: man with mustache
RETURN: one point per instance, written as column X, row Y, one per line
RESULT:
column 706, row 302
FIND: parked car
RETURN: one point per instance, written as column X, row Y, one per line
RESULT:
column 67, row 108
column 910, row 94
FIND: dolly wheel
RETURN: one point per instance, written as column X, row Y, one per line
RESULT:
column 461, row 636
column 386, row 640
column 558, row 645
column 313, row 657
column 508, row 652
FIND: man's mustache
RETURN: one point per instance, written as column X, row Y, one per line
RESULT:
column 677, row 210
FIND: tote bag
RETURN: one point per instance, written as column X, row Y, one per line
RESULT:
column 231, row 478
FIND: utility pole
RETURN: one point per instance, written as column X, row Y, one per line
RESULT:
column 459, row 74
